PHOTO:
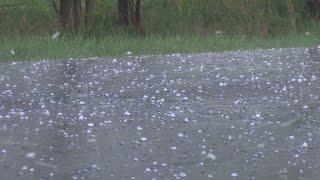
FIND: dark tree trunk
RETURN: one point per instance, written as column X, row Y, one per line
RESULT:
column 89, row 13
column 131, row 11
column 137, row 14
column 77, row 8
column 66, row 14
column 123, row 12
column 313, row 7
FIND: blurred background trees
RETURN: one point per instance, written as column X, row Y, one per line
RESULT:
column 191, row 17
column 129, row 12
column 72, row 17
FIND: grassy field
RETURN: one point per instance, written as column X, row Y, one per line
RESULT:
column 36, row 48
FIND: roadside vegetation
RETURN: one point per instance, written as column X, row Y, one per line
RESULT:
column 35, row 29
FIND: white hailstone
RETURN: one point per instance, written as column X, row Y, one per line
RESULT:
column 171, row 114
column 211, row 156
column 31, row 155
column 163, row 164
column 127, row 113
column 95, row 166
column 143, row 139
column 234, row 175
column 304, row 145
column 145, row 97
column 180, row 135
column 4, row 151
column 139, row 128
column 90, row 124
column 46, row 112
column 182, row 174
column 173, row 148
column 236, row 102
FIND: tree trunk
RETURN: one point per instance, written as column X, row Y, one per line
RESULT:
column 137, row 14
column 131, row 12
column 66, row 14
column 89, row 13
column 123, row 12
column 77, row 8
column 313, row 7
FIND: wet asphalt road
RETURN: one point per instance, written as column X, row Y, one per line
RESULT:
column 231, row 115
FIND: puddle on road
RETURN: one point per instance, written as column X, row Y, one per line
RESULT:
column 231, row 115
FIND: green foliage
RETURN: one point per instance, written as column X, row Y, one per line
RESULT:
column 26, row 27
column 189, row 17
column 254, row 17
column 25, row 17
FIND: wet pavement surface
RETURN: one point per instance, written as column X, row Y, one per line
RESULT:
column 231, row 115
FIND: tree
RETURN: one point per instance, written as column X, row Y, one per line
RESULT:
column 78, row 19
column 71, row 14
column 66, row 14
column 89, row 13
column 313, row 7
column 137, row 14
column 129, row 12
column 123, row 12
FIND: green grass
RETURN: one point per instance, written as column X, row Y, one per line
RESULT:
column 36, row 48
column 168, row 26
